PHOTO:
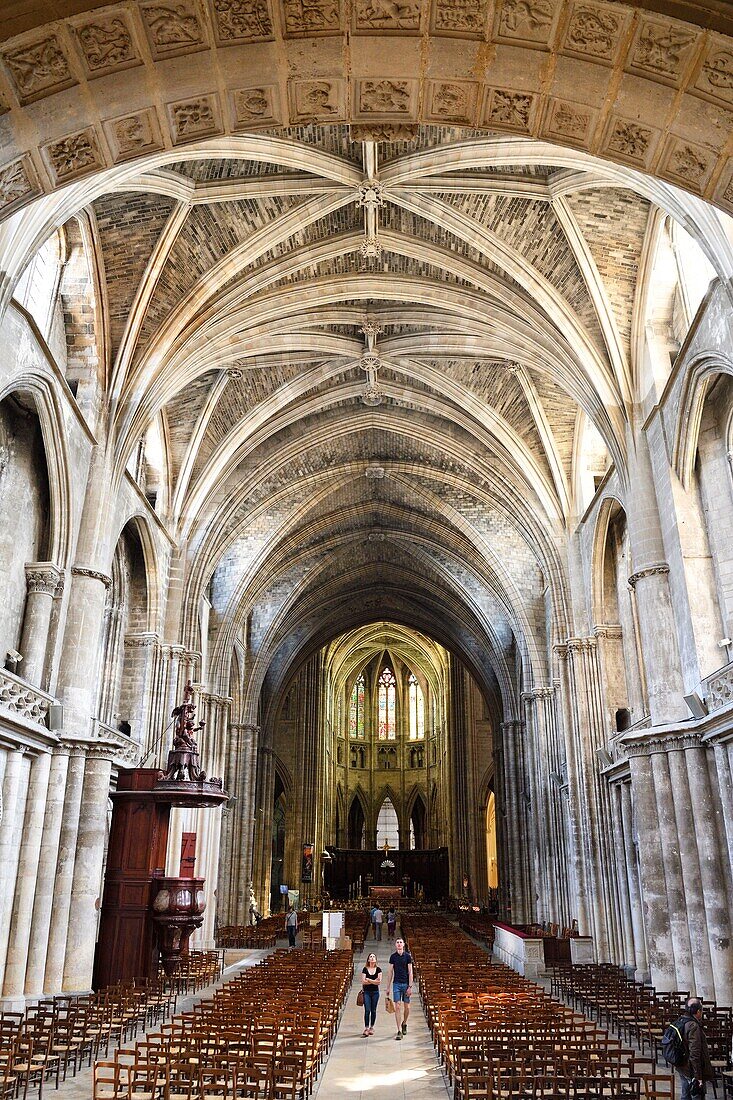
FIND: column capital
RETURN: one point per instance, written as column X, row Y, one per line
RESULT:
column 608, row 630
column 662, row 742
column 92, row 574
column 575, row 645
column 245, row 727
column 142, row 640
column 539, row 692
column 43, row 576
column 654, row 569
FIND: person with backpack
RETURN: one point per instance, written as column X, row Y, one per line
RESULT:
column 685, row 1047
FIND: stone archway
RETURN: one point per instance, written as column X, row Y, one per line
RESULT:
column 623, row 82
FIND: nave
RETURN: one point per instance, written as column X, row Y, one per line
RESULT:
column 284, row 1024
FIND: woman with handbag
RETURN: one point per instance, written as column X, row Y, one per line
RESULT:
column 371, row 976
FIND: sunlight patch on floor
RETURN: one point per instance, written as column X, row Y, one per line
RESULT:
column 368, row 1081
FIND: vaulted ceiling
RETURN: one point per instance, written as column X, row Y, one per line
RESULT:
column 374, row 268
column 374, row 364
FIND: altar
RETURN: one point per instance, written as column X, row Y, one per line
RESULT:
column 385, row 895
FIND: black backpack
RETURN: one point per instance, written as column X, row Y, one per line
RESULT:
column 674, row 1043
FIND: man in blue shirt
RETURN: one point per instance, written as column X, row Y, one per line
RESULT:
column 399, row 985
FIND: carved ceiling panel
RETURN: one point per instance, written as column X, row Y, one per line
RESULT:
column 625, row 82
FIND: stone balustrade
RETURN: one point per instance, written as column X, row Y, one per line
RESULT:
column 21, row 701
column 718, row 688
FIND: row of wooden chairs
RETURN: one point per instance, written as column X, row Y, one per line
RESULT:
column 638, row 1012
column 196, row 970
column 262, row 1035
column 499, row 1035
column 55, row 1037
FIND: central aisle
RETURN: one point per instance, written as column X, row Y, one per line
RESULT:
column 379, row 1065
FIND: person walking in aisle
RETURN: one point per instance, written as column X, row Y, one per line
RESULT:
column 399, row 985
column 371, row 977
column 378, row 922
column 291, row 926
column 697, row 1067
column 391, row 922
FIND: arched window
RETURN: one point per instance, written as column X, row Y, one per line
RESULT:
column 38, row 286
column 693, row 268
column 356, row 714
column 388, row 829
column 387, row 705
column 417, row 710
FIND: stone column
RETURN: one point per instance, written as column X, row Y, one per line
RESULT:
column 713, row 875
column 650, row 581
column 15, row 789
column 244, row 837
column 308, row 797
column 25, row 885
column 651, row 861
column 79, row 670
column 457, row 717
column 629, row 955
column 694, row 906
column 42, row 579
column 659, row 643
column 632, row 874
column 262, row 826
column 230, row 820
column 86, row 886
column 43, row 902
column 59, row 917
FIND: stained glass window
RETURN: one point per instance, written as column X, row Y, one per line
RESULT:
column 356, row 713
column 387, row 705
column 417, row 710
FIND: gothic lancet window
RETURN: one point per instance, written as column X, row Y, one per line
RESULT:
column 356, row 714
column 387, row 706
column 417, row 710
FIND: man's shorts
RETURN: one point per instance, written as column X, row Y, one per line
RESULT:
column 399, row 992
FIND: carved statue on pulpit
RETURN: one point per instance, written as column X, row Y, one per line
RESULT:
column 183, row 759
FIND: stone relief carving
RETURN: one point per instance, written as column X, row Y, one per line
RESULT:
column 92, row 574
column 628, row 139
column 388, row 15
column 194, row 117
column 317, row 99
column 463, row 17
column 242, row 20
column 525, row 19
column 689, row 163
column 173, row 27
column 510, row 109
column 39, row 69
column 728, row 193
column 716, row 75
column 311, row 17
column 106, row 44
column 384, row 97
column 593, row 31
column 452, row 101
column 134, row 134
column 384, row 131
column 252, row 105
column 661, row 48
column 656, row 569
column 17, row 182
column 73, row 156
column 569, row 122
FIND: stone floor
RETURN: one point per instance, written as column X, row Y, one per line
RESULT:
column 367, row 1068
